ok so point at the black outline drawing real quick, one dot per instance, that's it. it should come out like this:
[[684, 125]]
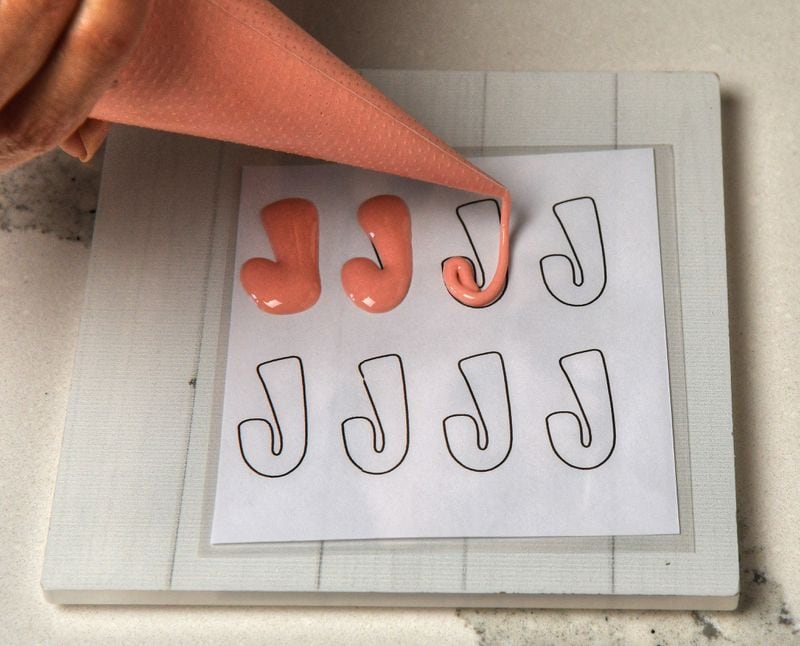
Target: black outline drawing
[[584, 427], [575, 262], [378, 434], [482, 434], [275, 432], [482, 281]]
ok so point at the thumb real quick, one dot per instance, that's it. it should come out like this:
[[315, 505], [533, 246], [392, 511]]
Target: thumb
[[86, 140]]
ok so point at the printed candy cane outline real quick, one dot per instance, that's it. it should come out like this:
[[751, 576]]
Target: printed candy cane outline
[[477, 266], [575, 266], [362, 448], [285, 452], [486, 440], [595, 446]]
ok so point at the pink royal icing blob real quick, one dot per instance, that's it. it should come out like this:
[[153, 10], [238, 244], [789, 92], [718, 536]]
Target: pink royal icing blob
[[290, 283], [459, 275], [378, 288]]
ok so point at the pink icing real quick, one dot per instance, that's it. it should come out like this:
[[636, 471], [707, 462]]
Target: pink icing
[[373, 288], [290, 283], [459, 277]]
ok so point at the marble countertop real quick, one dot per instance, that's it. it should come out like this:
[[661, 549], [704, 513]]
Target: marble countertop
[[46, 218]]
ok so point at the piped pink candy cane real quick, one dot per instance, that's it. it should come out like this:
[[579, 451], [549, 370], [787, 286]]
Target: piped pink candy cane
[[290, 283], [459, 275], [381, 287]]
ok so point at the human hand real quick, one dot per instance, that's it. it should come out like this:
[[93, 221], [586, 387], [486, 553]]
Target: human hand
[[57, 57]]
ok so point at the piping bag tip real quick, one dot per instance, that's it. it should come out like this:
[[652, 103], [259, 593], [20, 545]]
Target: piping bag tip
[[242, 71]]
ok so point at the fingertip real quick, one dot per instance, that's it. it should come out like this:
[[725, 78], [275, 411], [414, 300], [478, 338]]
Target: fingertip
[[86, 140]]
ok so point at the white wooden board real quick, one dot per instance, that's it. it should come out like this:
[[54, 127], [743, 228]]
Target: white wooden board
[[133, 502]]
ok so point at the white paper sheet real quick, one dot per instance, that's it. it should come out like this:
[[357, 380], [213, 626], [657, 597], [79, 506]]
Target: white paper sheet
[[545, 414]]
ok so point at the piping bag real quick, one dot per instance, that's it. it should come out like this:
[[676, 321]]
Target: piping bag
[[241, 71]]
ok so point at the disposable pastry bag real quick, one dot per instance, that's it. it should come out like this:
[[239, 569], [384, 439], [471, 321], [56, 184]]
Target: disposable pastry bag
[[241, 71]]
